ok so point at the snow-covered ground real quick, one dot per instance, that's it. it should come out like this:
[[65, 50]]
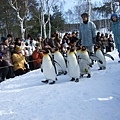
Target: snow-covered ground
[[95, 98]]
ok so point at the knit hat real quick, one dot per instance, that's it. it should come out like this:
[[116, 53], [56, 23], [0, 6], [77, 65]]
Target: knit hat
[[3, 39], [17, 48], [0, 55], [84, 15], [114, 15]]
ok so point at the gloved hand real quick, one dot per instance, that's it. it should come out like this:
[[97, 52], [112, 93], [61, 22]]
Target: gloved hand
[[94, 40], [41, 70]]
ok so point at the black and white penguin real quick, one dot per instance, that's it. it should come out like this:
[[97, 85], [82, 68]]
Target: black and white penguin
[[100, 55], [59, 62], [48, 68], [85, 63], [73, 66], [78, 51]]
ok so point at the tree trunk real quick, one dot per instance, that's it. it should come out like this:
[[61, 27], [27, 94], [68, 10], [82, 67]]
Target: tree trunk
[[89, 8], [49, 29], [111, 5], [21, 19], [22, 29]]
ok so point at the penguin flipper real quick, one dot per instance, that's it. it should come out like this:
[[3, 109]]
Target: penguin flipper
[[108, 55], [86, 62], [55, 62], [95, 58]]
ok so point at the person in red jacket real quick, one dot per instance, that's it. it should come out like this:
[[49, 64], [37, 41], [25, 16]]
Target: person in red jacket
[[37, 57]]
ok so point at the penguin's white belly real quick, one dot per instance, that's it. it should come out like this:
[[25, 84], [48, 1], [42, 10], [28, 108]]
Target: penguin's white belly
[[60, 60], [48, 68], [84, 67], [100, 55], [84, 63], [85, 56], [73, 67]]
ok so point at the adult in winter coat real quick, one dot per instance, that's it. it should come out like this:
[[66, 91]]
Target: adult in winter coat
[[3, 68], [30, 45], [87, 33], [98, 40], [19, 62], [116, 31], [6, 50]]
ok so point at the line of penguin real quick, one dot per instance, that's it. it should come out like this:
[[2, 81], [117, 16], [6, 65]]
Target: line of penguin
[[76, 63]]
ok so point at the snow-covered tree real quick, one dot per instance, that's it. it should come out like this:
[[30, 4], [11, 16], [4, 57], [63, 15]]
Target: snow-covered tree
[[14, 5]]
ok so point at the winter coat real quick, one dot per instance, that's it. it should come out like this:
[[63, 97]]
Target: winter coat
[[6, 52], [53, 43], [18, 61], [87, 33], [116, 31], [37, 57], [3, 70], [30, 47], [3, 64]]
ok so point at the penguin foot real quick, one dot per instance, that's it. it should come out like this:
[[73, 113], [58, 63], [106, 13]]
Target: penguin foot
[[89, 76], [46, 81], [100, 68], [60, 73], [73, 79], [65, 72], [81, 75], [53, 82], [77, 80]]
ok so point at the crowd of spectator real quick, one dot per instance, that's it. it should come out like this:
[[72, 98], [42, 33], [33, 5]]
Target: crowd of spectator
[[18, 56]]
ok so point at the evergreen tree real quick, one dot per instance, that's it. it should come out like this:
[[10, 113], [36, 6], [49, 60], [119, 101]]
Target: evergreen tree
[[57, 20], [106, 8]]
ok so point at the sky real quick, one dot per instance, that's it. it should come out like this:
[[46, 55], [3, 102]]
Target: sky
[[69, 4], [97, 98]]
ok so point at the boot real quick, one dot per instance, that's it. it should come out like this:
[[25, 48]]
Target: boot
[[119, 57]]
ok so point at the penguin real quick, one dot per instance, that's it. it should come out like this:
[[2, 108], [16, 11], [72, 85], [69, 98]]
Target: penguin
[[73, 66], [59, 62], [48, 68], [66, 55], [78, 51], [108, 55], [85, 63], [100, 55]]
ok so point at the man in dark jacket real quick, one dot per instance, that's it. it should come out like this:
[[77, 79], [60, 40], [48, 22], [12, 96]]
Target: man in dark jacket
[[5, 49], [3, 68], [87, 33]]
